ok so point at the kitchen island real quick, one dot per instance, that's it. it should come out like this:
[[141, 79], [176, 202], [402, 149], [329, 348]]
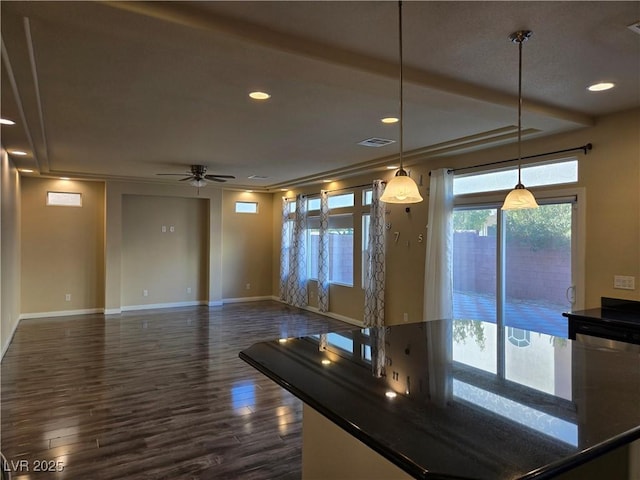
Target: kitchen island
[[427, 400]]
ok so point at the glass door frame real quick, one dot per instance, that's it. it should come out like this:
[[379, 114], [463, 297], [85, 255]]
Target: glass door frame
[[577, 197]]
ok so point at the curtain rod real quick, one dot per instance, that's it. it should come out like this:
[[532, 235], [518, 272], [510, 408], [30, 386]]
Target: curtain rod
[[584, 148], [338, 190], [349, 188]]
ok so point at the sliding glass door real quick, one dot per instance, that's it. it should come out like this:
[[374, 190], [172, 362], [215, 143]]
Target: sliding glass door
[[513, 279]]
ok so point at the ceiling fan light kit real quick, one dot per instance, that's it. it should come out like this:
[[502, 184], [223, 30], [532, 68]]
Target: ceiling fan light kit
[[197, 176]]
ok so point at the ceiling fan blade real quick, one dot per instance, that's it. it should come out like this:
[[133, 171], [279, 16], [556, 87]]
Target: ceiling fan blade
[[172, 174], [216, 177], [186, 178]]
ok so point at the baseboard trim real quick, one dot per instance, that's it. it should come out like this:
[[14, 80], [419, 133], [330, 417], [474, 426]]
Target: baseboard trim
[[335, 316], [9, 339], [151, 306], [247, 299], [61, 313], [112, 311]]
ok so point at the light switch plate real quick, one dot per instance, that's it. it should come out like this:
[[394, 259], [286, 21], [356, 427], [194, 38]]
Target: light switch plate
[[624, 282]]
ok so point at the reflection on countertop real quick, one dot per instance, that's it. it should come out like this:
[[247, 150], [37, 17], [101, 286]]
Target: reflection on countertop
[[470, 401]]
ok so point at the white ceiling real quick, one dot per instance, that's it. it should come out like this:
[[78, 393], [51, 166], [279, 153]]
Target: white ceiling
[[125, 90]]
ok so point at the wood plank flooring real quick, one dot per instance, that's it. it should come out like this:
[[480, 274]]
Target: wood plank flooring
[[157, 394]]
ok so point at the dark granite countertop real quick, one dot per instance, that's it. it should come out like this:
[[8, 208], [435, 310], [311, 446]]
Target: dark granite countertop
[[467, 405]]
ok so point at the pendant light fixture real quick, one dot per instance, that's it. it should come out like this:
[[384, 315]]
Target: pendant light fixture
[[519, 198], [401, 188]]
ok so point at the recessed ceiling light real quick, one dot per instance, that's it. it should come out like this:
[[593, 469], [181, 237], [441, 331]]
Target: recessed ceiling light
[[259, 95], [19, 153], [6, 121], [389, 120], [26, 170], [390, 394], [65, 178], [599, 87], [392, 167]]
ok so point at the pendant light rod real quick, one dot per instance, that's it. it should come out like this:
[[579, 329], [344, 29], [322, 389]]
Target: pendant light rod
[[520, 40], [520, 37], [401, 82]]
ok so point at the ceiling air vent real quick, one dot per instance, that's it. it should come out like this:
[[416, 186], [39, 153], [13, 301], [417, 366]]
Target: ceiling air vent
[[634, 27], [376, 142], [257, 177]]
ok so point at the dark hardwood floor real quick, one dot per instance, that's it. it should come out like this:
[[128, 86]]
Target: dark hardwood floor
[[157, 394]]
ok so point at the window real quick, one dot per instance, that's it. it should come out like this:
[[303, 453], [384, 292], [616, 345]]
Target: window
[[313, 246], [341, 249], [64, 199], [366, 221], [246, 207], [555, 173], [313, 204], [367, 197], [342, 200]]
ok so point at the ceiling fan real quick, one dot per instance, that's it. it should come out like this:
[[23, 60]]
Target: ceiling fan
[[198, 177]]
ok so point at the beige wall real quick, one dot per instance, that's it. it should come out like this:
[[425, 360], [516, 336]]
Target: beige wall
[[247, 243], [609, 175], [114, 252], [62, 248], [164, 250], [9, 249]]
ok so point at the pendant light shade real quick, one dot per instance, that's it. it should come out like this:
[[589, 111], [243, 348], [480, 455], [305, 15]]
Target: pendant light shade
[[401, 188], [519, 198]]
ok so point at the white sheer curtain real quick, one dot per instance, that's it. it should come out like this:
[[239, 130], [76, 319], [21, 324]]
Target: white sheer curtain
[[438, 277], [296, 282], [374, 281], [323, 254], [438, 284]]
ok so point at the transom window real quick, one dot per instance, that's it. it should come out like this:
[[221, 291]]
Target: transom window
[[552, 173]]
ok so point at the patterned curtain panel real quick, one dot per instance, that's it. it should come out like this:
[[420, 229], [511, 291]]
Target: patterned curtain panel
[[438, 278], [378, 351], [323, 342], [285, 244], [374, 282], [323, 254], [296, 291]]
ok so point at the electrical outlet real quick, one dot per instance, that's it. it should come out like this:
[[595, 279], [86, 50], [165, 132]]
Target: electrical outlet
[[405, 317], [67, 297], [145, 293], [248, 286], [624, 282], [188, 289], [164, 229]]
